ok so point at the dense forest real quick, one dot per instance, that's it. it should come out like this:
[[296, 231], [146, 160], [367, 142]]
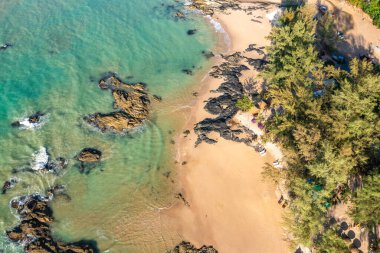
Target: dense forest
[[326, 120]]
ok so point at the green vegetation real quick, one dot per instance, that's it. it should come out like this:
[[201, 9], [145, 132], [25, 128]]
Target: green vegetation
[[244, 104], [327, 122], [366, 208], [371, 7]]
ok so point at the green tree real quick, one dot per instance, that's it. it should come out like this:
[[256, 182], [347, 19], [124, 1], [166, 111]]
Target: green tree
[[330, 242], [366, 205], [332, 168], [244, 103]]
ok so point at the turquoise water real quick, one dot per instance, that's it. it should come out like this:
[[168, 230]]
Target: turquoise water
[[60, 50]]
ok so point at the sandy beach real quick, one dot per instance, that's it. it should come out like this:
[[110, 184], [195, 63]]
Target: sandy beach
[[230, 207]]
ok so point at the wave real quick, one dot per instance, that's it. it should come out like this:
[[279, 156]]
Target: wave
[[40, 159], [219, 29]]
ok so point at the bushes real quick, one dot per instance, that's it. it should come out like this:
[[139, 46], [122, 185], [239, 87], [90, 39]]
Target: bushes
[[244, 104]]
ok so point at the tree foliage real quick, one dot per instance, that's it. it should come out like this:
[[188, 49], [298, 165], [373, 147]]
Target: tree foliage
[[366, 206], [327, 123], [244, 104]]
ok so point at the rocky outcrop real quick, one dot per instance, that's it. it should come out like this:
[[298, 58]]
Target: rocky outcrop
[[223, 106], [33, 119], [5, 46], [131, 101], [34, 231], [89, 155], [209, 7], [9, 184], [186, 247]]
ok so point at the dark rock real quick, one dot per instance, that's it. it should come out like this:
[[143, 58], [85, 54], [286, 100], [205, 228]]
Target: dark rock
[[186, 132], [187, 71], [33, 119], [208, 54], [182, 198], [5, 46], [191, 31], [34, 231], [258, 64], [9, 184], [89, 155], [180, 14], [186, 247], [252, 47], [224, 106], [157, 98]]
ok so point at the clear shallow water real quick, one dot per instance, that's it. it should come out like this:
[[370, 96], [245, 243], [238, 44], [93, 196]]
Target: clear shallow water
[[61, 49]]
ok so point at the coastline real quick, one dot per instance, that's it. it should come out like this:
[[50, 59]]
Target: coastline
[[229, 205]]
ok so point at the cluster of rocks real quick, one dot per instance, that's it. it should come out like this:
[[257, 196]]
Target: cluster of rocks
[[34, 231], [186, 247], [35, 118], [208, 8], [131, 102], [52, 166], [224, 106]]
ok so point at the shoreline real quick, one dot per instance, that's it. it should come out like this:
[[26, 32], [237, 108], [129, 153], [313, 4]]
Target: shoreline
[[214, 180]]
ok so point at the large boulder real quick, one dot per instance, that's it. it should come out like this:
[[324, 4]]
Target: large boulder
[[186, 247], [89, 155]]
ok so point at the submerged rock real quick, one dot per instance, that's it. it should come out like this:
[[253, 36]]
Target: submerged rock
[[9, 184], [191, 31], [186, 247], [34, 231], [131, 100], [208, 54], [89, 155]]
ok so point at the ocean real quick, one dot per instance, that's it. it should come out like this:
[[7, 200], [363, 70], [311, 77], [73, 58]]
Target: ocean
[[60, 49]]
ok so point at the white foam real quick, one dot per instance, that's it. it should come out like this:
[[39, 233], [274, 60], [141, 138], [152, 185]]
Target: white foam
[[40, 159], [26, 124], [219, 29]]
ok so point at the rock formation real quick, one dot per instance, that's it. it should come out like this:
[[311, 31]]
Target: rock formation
[[224, 105], [32, 119], [186, 247], [34, 231], [89, 155], [131, 101]]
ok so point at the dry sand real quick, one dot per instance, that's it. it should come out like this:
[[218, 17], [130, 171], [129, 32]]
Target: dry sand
[[361, 36], [231, 207]]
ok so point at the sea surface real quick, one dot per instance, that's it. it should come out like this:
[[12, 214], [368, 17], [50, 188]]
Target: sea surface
[[60, 51]]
